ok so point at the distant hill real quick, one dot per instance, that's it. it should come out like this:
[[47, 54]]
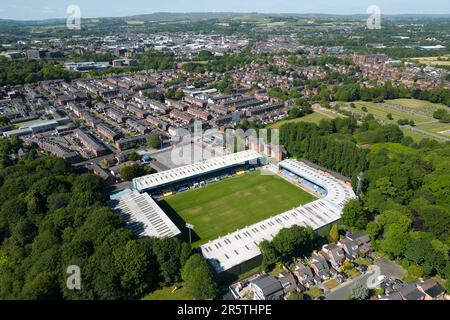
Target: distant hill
[[199, 16]]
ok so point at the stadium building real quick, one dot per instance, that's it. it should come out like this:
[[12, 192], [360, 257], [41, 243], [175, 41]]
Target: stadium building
[[198, 173], [143, 215], [239, 251], [236, 252]]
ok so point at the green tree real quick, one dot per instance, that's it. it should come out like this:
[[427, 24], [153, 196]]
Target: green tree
[[43, 287], [415, 271], [269, 253], [354, 215], [137, 267], [293, 241], [128, 173], [333, 236], [171, 254], [395, 240], [359, 292], [199, 278], [154, 141], [133, 156]]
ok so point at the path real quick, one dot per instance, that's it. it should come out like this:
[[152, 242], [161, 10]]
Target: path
[[434, 135]]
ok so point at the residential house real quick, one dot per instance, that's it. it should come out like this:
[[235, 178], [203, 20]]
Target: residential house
[[411, 292], [267, 288], [362, 240], [304, 275], [432, 289], [392, 296], [320, 266], [334, 254], [350, 247], [288, 282]]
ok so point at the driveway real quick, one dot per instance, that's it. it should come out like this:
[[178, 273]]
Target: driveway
[[344, 290], [390, 269]]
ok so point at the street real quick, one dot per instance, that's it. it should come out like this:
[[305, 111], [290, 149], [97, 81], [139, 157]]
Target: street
[[388, 268]]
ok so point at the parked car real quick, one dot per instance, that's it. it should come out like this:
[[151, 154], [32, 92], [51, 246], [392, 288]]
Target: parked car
[[362, 268], [398, 282], [343, 275]]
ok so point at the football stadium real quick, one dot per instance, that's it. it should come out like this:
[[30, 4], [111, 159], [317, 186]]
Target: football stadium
[[233, 202]]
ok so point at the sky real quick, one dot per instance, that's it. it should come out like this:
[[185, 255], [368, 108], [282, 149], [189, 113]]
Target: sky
[[46, 9]]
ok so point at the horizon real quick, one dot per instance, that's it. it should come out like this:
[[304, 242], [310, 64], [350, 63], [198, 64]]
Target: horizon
[[27, 10], [230, 12]]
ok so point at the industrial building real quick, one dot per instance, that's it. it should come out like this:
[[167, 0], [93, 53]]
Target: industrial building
[[37, 127]]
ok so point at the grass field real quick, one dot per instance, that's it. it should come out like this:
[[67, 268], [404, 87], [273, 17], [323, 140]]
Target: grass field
[[232, 204], [167, 294], [313, 117], [381, 110], [421, 112], [433, 61]]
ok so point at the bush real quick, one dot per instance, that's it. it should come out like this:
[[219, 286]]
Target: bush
[[442, 115], [415, 271], [404, 122]]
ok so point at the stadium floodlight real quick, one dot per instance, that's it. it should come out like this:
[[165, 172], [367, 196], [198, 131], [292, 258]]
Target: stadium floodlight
[[190, 227]]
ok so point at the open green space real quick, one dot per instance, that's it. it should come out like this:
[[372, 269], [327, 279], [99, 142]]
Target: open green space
[[313, 118], [232, 204], [421, 112], [381, 110], [433, 61], [167, 293]]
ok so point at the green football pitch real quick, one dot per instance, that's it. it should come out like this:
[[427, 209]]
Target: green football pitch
[[232, 204]]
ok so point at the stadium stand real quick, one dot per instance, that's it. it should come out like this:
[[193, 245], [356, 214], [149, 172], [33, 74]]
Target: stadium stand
[[169, 177], [142, 215], [231, 251]]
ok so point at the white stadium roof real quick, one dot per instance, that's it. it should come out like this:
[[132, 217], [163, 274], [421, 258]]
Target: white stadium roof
[[143, 215], [159, 179], [242, 245]]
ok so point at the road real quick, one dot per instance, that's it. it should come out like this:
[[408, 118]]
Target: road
[[434, 135], [343, 291], [388, 268]]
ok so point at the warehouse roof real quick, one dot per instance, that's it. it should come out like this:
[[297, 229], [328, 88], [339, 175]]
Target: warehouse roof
[[143, 215], [159, 179]]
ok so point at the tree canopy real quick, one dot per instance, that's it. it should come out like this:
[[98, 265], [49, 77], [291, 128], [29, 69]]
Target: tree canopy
[[52, 218]]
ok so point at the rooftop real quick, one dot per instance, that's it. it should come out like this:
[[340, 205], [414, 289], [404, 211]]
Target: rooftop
[[159, 179], [242, 245], [142, 215]]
